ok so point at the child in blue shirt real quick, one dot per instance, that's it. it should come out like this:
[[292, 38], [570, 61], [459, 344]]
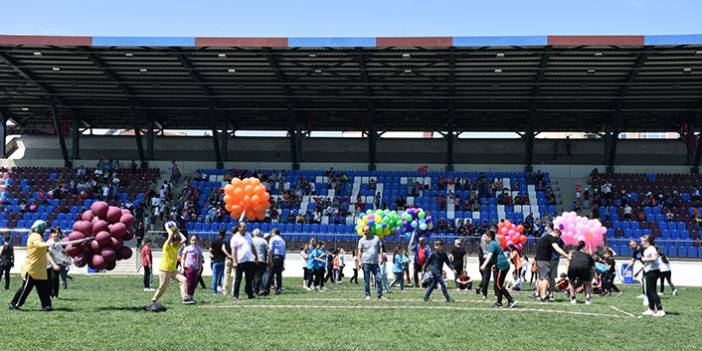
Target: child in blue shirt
[[399, 261]]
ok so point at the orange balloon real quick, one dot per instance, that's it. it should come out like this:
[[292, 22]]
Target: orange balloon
[[249, 190], [237, 210], [259, 189], [236, 182], [260, 216], [246, 181], [256, 200], [227, 199], [228, 207], [229, 189], [258, 208], [266, 196], [255, 181], [250, 216], [246, 201], [238, 193], [266, 205]]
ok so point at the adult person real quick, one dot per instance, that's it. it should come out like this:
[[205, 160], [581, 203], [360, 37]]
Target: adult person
[[421, 253], [651, 262], [56, 258], [496, 257], [553, 269], [167, 269], [435, 264], [457, 255], [7, 258], [581, 269], [277, 257], [262, 260], [547, 245], [485, 273], [370, 250], [217, 257], [147, 263], [228, 268], [34, 268], [243, 261]]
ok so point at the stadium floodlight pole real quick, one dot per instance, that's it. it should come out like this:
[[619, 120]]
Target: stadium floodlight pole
[[529, 142], [59, 133], [698, 150], [611, 138], [450, 136]]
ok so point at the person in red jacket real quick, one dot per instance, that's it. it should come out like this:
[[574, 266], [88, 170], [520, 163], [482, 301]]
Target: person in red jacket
[[146, 262]]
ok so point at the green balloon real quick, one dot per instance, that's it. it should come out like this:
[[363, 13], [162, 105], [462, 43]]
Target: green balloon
[[421, 214], [369, 212]]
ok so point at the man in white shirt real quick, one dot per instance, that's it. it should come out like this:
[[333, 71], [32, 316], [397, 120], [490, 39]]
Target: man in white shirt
[[244, 259]]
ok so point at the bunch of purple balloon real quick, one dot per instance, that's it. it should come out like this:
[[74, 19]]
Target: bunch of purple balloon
[[418, 221]]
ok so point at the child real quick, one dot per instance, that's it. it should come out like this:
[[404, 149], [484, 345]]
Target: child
[[336, 266], [342, 264], [562, 284], [356, 265], [306, 273], [515, 284], [319, 262], [434, 264], [609, 274], [399, 259], [192, 265], [465, 284], [384, 272], [146, 259], [664, 265]]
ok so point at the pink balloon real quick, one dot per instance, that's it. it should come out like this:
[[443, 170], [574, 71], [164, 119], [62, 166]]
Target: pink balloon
[[99, 226], [97, 262], [127, 219], [128, 235], [118, 230], [124, 253], [87, 215], [110, 265], [80, 261], [109, 255], [104, 239], [84, 227], [125, 211], [99, 209], [74, 251], [511, 232], [95, 247], [76, 236], [116, 243], [113, 214]]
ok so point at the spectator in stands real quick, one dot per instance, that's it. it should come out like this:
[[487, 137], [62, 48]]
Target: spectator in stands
[[461, 228], [80, 172], [669, 216], [442, 226], [628, 212], [175, 172]]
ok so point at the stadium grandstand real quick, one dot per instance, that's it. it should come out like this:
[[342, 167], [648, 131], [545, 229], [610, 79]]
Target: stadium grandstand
[[56, 92]]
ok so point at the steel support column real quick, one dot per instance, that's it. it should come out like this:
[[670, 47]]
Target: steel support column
[[75, 136], [611, 138], [59, 134], [217, 152], [529, 142], [698, 154], [150, 137], [450, 136], [224, 144], [137, 136], [3, 134], [372, 141], [294, 143], [690, 140]]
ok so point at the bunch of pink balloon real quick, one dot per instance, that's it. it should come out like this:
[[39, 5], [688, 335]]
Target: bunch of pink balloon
[[109, 227], [510, 234], [575, 228]]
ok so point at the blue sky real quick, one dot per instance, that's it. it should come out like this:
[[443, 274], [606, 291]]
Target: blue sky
[[349, 18]]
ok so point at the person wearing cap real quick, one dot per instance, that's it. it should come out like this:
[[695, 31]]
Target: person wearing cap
[[167, 269], [34, 268]]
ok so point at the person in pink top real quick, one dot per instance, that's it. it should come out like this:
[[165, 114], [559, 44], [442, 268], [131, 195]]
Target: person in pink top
[[192, 265], [146, 262]]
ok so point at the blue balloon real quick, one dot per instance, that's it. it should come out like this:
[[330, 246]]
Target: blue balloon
[[423, 226], [414, 224]]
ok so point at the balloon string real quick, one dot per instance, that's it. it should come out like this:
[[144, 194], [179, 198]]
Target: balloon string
[[243, 213]]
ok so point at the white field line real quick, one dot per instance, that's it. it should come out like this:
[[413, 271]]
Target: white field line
[[443, 308], [622, 311], [439, 297]]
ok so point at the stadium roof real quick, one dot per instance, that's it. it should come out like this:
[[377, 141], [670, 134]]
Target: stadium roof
[[574, 83]]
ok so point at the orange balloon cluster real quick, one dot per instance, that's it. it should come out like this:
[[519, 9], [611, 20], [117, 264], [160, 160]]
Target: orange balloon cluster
[[247, 196]]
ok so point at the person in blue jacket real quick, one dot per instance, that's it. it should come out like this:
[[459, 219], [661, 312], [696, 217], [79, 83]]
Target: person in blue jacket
[[311, 251], [435, 264], [319, 263]]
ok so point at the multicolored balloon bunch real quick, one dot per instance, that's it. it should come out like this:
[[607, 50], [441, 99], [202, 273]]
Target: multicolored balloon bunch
[[510, 234], [575, 228], [109, 227], [417, 220], [248, 197], [381, 223]]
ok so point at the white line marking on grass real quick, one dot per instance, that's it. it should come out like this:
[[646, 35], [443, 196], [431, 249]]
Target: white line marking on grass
[[444, 308], [520, 302], [622, 311]]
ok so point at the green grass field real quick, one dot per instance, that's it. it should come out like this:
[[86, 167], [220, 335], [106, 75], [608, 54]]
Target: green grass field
[[105, 313]]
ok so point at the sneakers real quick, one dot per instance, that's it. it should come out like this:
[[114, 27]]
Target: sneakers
[[497, 305], [573, 301], [308, 288], [642, 296], [619, 294], [675, 292], [367, 298], [645, 302], [588, 302], [12, 307], [450, 299], [661, 294], [660, 313], [484, 297], [149, 290], [512, 303], [188, 302], [477, 291], [425, 299], [382, 298], [47, 309], [649, 313]]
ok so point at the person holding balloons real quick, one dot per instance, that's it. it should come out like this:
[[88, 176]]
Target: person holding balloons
[[34, 272], [496, 256]]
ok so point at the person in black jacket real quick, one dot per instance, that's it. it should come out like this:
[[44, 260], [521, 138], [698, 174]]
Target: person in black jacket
[[7, 259], [434, 264]]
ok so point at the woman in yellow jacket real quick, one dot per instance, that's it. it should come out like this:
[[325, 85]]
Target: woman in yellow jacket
[[34, 268]]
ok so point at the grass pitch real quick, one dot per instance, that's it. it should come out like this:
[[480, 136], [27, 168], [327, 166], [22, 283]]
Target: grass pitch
[[106, 313]]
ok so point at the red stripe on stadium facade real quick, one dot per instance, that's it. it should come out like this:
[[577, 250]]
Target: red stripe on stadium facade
[[45, 40]]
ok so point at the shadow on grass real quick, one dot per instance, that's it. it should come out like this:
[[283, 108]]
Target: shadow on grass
[[120, 308]]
